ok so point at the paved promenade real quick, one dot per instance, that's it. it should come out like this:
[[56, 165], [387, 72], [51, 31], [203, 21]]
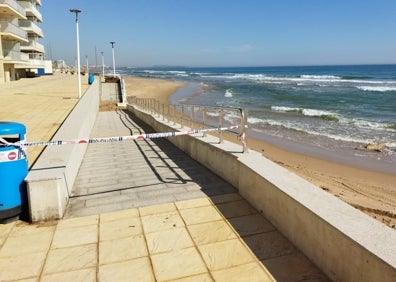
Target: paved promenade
[[144, 211], [41, 104]]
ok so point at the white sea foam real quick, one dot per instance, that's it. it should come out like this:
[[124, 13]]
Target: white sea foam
[[284, 109], [166, 72], [377, 88], [254, 120], [372, 125], [288, 79], [320, 77], [305, 112], [295, 126], [317, 113], [228, 93]]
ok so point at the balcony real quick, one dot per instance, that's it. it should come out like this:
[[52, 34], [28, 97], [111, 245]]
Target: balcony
[[14, 56], [9, 31], [31, 10], [32, 45], [11, 8], [31, 64], [31, 28]]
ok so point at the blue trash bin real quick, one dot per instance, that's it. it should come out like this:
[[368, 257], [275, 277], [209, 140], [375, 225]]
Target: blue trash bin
[[13, 170], [91, 79]]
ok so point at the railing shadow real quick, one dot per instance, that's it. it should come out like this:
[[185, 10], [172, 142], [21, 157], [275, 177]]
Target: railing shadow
[[278, 255]]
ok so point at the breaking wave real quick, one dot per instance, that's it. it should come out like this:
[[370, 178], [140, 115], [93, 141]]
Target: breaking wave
[[377, 88], [326, 115], [228, 93]]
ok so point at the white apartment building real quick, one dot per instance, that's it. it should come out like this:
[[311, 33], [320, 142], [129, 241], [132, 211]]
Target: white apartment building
[[21, 55]]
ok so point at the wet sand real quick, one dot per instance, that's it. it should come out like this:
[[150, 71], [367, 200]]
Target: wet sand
[[370, 191]]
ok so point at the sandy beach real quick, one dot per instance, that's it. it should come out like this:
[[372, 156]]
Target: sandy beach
[[372, 192]]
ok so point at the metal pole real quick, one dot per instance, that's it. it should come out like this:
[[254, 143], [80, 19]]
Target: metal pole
[[102, 63], [96, 58], [76, 11], [112, 47], [86, 57]]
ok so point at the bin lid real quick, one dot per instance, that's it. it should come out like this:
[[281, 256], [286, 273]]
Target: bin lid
[[10, 127]]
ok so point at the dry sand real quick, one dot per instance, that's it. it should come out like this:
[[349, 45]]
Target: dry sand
[[151, 88], [372, 192]]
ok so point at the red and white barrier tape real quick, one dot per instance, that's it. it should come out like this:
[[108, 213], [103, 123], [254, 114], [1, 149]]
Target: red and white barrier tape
[[118, 138]]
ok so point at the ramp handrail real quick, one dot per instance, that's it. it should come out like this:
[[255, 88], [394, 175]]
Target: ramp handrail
[[193, 116]]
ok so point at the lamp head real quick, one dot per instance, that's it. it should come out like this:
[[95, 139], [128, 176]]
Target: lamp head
[[75, 11]]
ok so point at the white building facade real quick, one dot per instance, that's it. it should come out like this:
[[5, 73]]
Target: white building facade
[[21, 54]]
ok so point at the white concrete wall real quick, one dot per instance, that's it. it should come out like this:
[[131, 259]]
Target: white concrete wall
[[343, 242], [50, 180]]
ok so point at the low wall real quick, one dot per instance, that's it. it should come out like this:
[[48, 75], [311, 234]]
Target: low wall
[[52, 177], [343, 242]]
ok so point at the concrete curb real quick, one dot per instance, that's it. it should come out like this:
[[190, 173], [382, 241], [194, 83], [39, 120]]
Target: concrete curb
[[50, 180]]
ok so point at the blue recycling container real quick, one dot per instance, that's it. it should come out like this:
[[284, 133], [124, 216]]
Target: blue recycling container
[[13, 170], [91, 79]]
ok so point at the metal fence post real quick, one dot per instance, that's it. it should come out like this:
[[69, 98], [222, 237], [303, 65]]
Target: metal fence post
[[204, 120], [221, 124]]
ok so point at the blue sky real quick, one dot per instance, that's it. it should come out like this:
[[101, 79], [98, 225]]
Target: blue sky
[[222, 32]]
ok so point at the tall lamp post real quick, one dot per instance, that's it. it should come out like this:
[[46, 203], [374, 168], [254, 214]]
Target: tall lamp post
[[112, 47], [76, 11], [102, 63], [86, 57]]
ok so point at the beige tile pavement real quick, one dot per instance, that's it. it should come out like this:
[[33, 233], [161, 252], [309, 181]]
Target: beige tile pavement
[[155, 243], [41, 104]]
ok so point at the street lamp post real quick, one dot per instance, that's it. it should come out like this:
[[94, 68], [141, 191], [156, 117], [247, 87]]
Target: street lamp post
[[102, 63], [76, 11], [112, 47], [86, 57]]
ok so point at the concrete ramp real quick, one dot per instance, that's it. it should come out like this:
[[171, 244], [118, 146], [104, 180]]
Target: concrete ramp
[[113, 90], [110, 92], [120, 175]]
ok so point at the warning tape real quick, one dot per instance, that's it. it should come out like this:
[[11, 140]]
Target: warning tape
[[118, 138]]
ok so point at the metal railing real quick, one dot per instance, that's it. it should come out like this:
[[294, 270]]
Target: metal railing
[[201, 116]]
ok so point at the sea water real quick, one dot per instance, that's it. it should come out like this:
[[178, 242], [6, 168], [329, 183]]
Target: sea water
[[336, 109]]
